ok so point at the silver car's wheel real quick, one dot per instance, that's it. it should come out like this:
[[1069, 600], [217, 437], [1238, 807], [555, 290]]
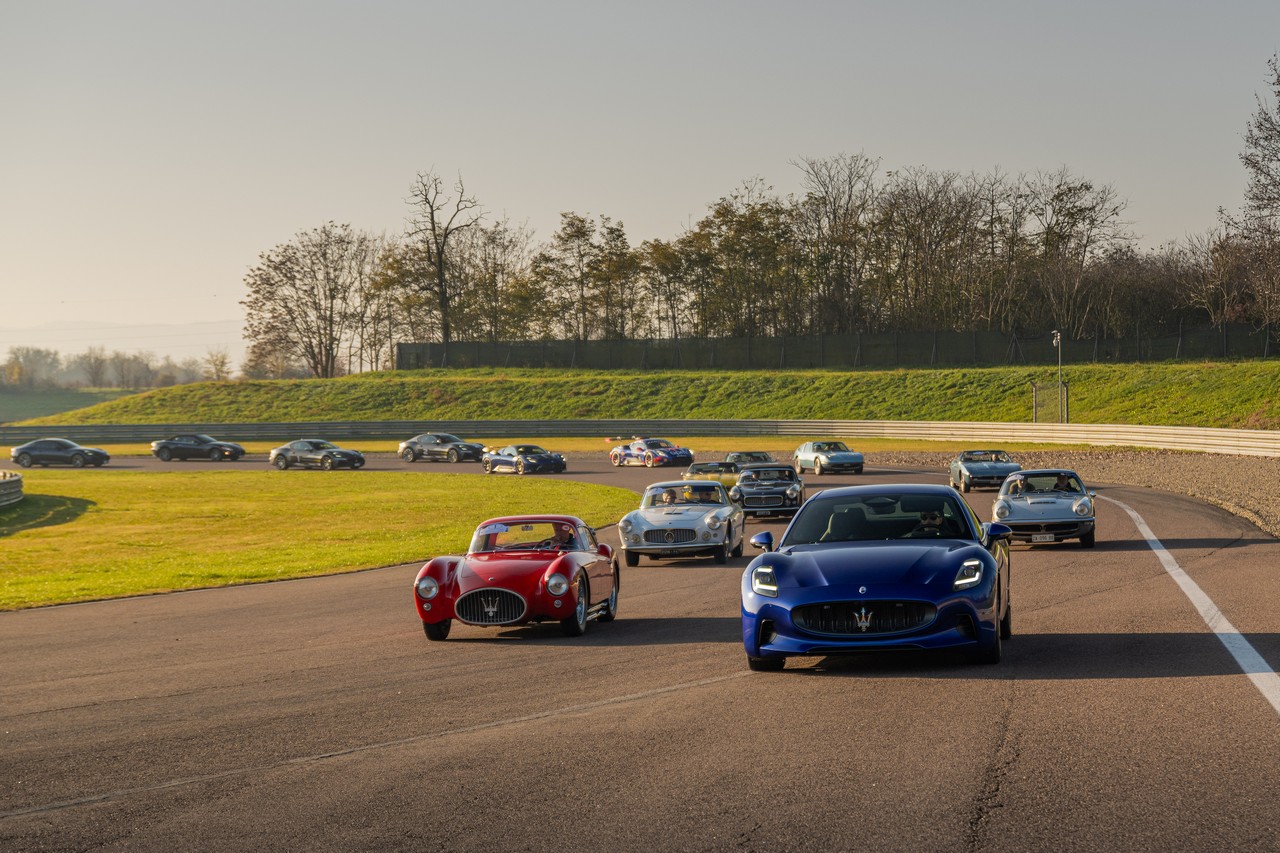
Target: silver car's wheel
[[282, 462], [408, 455], [817, 468], [453, 454], [799, 468]]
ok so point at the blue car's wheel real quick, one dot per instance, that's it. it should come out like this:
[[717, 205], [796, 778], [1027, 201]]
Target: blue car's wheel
[[766, 664]]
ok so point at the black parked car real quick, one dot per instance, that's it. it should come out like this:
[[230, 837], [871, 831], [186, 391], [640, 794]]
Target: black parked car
[[58, 451], [768, 489], [439, 447], [195, 446], [317, 453]]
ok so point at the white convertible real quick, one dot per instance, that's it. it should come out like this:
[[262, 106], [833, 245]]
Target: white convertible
[[1046, 505], [683, 519]]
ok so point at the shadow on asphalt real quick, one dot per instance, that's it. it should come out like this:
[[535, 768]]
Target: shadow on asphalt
[[625, 632], [1057, 657], [1170, 544], [41, 511]]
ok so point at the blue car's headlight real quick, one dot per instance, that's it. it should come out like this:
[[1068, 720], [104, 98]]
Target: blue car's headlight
[[713, 523], [764, 582], [970, 574], [1002, 509]]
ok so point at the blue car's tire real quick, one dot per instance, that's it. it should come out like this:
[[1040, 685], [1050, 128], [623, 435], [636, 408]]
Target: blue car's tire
[[766, 664]]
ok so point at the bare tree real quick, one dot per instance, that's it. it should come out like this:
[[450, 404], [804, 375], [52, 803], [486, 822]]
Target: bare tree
[[302, 295], [32, 366], [438, 216], [217, 365]]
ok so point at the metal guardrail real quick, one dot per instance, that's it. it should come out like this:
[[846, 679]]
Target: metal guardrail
[[1241, 442], [10, 487]]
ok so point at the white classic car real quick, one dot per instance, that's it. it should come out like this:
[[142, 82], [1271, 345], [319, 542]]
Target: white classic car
[[1046, 505], [683, 518], [826, 457], [974, 468]]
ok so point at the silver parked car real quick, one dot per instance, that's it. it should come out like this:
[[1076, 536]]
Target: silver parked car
[[826, 457], [974, 469]]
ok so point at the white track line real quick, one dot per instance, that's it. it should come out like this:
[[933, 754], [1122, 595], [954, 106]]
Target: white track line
[[1252, 663]]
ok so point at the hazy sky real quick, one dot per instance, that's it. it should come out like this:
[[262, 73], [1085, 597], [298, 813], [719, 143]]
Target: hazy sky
[[151, 150]]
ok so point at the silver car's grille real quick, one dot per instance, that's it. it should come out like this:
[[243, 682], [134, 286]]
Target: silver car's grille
[[670, 536], [863, 618], [489, 607], [762, 500]]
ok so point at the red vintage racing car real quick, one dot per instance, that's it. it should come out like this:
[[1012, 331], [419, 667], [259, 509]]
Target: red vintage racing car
[[521, 569]]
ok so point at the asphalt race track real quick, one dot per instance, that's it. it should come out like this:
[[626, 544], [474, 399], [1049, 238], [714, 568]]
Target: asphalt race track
[[315, 715]]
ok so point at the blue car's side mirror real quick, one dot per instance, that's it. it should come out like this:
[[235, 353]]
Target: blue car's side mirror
[[763, 541], [997, 531]]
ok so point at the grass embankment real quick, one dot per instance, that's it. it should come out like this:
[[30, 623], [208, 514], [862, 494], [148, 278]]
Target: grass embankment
[[1238, 394], [82, 535]]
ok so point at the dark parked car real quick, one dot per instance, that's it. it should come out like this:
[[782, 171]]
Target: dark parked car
[[195, 446], [315, 453], [58, 451], [523, 459], [439, 447]]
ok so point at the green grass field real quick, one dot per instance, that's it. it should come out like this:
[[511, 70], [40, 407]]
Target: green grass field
[[87, 535], [1237, 395]]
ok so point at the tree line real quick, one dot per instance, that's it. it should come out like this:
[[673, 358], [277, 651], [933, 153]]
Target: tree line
[[39, 368], [858, 249]]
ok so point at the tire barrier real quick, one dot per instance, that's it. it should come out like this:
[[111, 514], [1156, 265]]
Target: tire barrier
[[10, 487]]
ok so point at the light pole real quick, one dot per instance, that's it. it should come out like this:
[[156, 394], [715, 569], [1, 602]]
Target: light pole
[[1057, 344]]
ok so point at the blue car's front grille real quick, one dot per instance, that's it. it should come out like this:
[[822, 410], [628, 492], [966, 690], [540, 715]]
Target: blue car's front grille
[[863, 618]]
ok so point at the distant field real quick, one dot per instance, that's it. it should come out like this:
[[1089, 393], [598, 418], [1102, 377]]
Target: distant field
[[1212, 394], [21, 405]]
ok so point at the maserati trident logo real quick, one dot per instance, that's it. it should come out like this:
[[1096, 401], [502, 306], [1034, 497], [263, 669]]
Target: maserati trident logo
[[491, 606], [670, 536], [863, 619]]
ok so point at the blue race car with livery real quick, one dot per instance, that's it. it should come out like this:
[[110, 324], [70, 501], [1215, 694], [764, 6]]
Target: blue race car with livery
[[651, 453]]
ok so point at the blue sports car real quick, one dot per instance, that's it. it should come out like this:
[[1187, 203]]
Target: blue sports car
[[650, 452], [875, 568], [523, 459]]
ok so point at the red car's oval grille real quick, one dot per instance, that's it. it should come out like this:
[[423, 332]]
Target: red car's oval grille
[[490, 607], [863, 618]]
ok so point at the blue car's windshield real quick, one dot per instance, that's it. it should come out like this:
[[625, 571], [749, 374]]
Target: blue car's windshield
[[870, 517]]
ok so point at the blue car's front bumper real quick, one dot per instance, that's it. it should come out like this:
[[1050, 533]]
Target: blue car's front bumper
[[963, 619]]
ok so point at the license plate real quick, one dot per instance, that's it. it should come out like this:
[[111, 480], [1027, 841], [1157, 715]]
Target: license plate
[[1041, 537]]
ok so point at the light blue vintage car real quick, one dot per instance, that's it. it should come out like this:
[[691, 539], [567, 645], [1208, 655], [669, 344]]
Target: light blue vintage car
[[974, 469], [826, 457]]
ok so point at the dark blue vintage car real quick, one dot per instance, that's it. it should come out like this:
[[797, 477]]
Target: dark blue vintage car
[[875, 568], [522, 459]]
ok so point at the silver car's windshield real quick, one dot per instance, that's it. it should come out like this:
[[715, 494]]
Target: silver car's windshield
[[1054, 482], [865, 518], [692, 493]]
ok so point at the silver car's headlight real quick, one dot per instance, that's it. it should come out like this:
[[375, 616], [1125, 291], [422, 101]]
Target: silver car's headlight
[[427, 588], [970, 574], [1083, 507], [557, 584], [625, 525], [735, 494], [1001, 509], [714, 522], [764, 582]]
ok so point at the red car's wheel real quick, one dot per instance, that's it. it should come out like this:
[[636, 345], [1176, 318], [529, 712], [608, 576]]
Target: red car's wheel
[[437, 630], [576, 625], [611, 609]]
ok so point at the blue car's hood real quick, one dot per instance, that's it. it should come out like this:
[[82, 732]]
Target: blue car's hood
[[841, 455], [918, 562]]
